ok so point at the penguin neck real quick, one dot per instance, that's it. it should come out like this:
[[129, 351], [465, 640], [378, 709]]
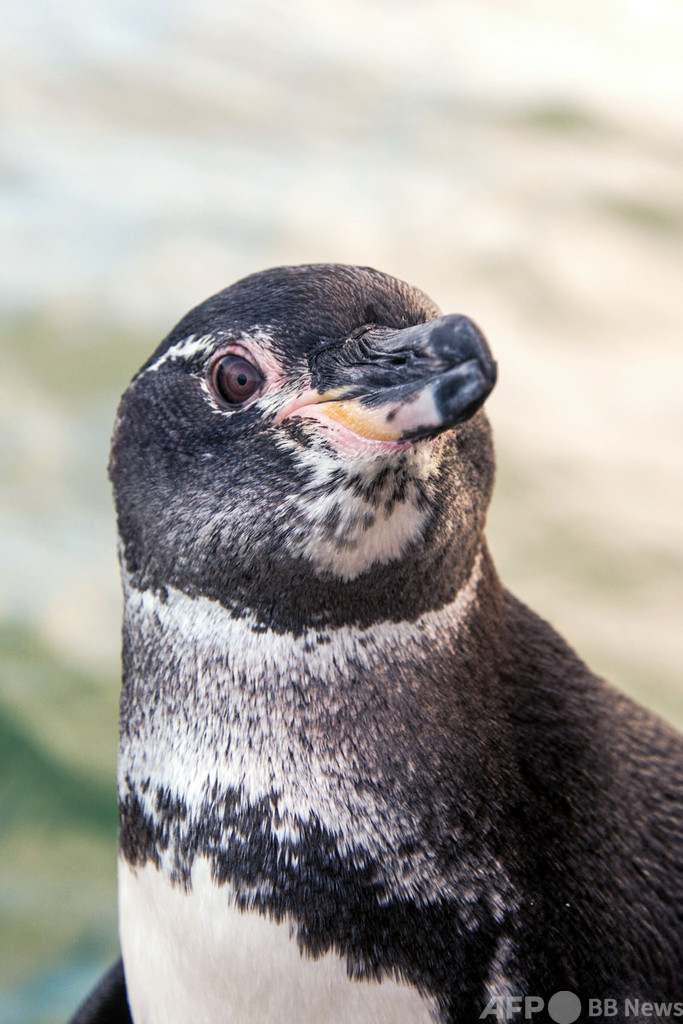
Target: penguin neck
[[217, 710], [291, 595], [172, 637]]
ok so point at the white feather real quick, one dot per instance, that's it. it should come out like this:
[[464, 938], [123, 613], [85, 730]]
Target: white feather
[[192, 958]]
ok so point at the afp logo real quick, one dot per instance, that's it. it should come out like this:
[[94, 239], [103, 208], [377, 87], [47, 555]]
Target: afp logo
[[563, 1007]]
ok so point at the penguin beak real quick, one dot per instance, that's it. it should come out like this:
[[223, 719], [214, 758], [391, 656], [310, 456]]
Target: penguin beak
[[400, 385]]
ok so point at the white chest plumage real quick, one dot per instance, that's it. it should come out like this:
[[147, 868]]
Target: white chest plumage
[[192, 958]]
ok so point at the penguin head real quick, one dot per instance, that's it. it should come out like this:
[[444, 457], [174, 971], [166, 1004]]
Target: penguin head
[[308, 445]]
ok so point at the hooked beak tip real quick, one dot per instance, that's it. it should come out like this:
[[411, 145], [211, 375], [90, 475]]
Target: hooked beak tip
[[372, 394]]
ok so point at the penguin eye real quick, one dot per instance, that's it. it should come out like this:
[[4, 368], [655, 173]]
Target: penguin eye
[[235, 380]]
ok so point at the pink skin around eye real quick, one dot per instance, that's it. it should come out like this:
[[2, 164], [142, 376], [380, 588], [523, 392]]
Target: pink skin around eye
[[308, 406]]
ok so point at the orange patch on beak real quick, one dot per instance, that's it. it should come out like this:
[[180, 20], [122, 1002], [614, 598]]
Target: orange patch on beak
[[366, 422]]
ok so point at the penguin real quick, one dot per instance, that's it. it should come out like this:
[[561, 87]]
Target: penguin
[[358, 780]]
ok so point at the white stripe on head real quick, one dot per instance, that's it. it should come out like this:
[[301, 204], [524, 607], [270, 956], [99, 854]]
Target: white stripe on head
[[194, 345], [188, 348]]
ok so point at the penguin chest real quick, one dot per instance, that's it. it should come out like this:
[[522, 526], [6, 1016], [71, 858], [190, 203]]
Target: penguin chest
[[192, 955]]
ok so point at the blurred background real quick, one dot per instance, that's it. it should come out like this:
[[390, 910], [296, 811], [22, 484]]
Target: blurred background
[[521, 162]]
